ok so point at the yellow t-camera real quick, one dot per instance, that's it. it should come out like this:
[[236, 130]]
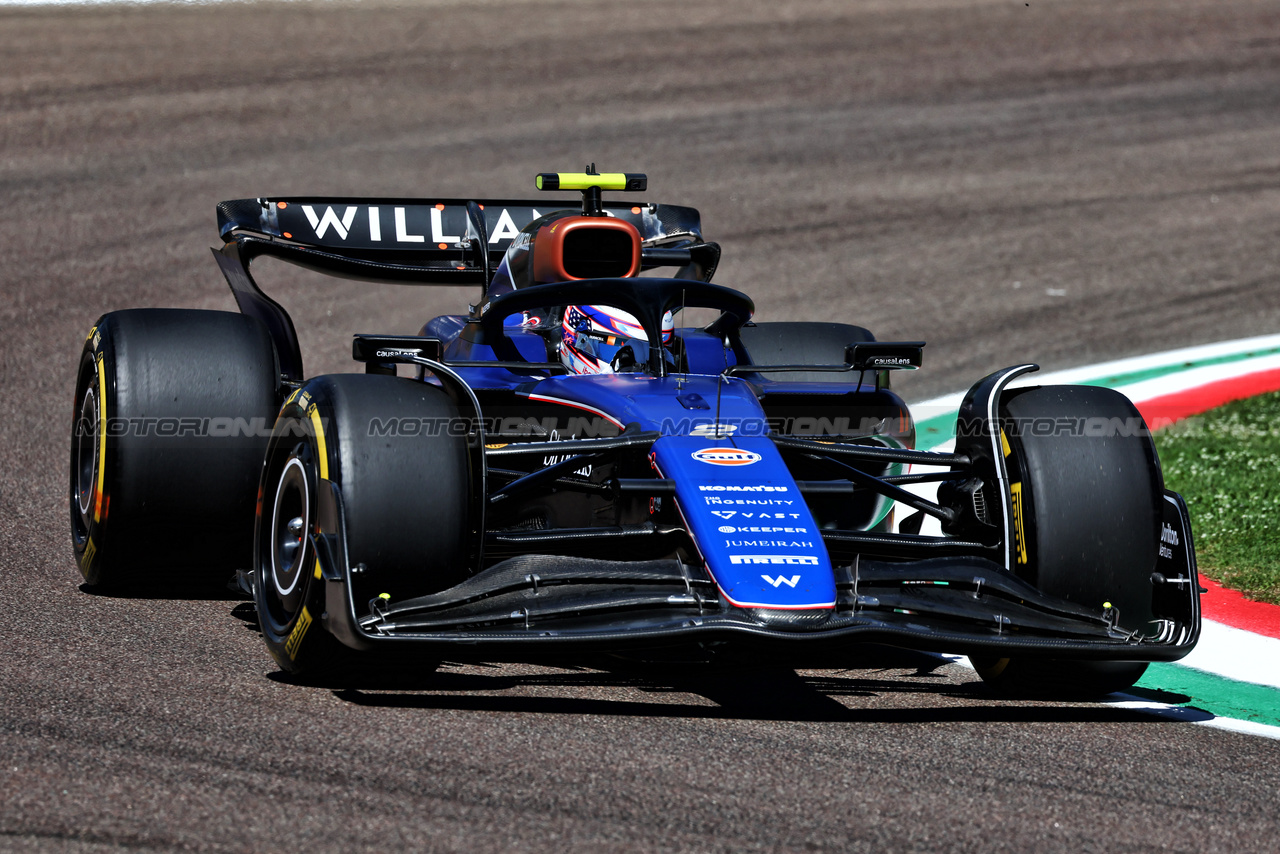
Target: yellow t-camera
[[629, 181]]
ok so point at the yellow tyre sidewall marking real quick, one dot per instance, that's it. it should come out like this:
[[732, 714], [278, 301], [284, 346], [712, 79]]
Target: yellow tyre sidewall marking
[[1019, 533], [102, 440], [294, 641], [1015, 499], [322, 452]]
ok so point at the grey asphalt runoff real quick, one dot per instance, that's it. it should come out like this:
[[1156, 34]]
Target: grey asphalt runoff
[[1060, 182]]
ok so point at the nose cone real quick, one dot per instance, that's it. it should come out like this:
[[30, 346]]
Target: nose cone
[[752, 527]]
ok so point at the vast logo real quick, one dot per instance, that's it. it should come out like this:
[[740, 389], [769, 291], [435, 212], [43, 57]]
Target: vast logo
[[782, 579], [726, 457]]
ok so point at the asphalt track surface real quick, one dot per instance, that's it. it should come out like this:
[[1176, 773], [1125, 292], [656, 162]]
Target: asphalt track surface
[[1061, 182]]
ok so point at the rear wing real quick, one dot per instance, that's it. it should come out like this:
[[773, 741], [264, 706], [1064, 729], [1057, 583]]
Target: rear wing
[[406, 242], [415, 241]]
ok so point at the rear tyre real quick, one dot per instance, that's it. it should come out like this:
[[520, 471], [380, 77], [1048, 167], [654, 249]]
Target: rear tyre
[[394, 448], [803, 343], [1087, 494], [172, 412]]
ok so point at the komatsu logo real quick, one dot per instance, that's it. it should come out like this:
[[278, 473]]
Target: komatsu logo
[[782, 579], [715, 487]]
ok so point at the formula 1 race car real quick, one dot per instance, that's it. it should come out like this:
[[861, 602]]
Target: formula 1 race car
[[565, 470]]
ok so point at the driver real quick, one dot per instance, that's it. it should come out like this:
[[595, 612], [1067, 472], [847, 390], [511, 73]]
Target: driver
[[603, 340]]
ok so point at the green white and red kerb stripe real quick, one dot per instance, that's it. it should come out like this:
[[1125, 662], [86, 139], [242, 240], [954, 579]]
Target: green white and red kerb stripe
[[1165, 386]]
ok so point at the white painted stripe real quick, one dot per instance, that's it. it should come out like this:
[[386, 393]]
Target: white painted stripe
[[576, 405], [1199, 717], [1236, 654], [1245, 727], [1182, 714]]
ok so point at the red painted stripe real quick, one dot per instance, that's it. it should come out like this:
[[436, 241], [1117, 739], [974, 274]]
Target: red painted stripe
[[1167, 408], [1230, 608], [574, 405], [1220, 604]]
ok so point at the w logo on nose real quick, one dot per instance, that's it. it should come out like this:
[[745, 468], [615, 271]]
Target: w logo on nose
[[782, 579]]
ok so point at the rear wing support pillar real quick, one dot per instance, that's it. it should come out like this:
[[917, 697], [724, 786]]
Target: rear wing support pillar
[[254, 303]]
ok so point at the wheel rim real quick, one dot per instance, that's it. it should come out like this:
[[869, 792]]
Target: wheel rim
[[87, 430], [290, 522]]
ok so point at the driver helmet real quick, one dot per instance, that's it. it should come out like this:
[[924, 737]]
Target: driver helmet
[[603, 340]]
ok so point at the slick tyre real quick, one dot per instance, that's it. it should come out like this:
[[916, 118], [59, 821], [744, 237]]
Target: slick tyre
[[803, 343], [393, 449], [172, 413], [1087, 493], [1056, 679]]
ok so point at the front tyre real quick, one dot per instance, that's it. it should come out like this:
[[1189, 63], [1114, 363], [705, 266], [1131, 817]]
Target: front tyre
[[1087, 497], [397, 451], [1056, 679]]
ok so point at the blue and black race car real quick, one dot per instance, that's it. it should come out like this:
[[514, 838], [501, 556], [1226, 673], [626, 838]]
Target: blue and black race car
[[571, 468]]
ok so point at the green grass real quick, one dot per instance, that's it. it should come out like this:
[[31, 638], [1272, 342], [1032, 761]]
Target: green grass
[[1226, 463]]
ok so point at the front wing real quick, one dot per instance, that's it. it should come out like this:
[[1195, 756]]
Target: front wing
[[532, 605]]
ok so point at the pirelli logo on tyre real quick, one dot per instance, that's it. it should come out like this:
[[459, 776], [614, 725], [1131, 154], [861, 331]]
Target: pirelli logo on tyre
[[1019, 532], [299, 632], [726, 457]]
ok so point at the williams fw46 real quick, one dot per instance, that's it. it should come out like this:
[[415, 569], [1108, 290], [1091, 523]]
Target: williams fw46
[[572, 466]]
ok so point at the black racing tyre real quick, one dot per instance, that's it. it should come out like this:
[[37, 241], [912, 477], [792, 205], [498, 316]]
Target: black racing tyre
[[173, 409], [396, 451], [1088, 495], [1055, 679], [803, 343]]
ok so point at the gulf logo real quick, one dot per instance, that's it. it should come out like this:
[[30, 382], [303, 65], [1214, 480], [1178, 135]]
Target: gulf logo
[[726, 457]]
